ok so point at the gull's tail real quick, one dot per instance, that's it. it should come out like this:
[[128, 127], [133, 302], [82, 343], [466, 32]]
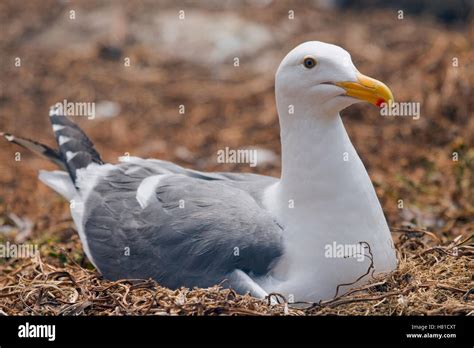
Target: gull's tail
[[75, 148], [76, 151]]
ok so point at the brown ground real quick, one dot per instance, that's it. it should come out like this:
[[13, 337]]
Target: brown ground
[[407, 159]]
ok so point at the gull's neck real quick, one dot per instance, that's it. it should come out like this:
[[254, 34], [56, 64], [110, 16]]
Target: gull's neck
[[317, 154], [312, 149], [322, 174]]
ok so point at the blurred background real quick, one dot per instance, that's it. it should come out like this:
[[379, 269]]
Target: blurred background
[[78, 50]]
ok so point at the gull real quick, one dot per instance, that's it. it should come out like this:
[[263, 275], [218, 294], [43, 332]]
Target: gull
[[316, 231]]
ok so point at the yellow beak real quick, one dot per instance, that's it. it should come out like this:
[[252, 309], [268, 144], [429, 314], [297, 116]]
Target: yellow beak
[[368, 89]]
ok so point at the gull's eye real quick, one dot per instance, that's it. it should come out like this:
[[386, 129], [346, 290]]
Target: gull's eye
[[309, 62]]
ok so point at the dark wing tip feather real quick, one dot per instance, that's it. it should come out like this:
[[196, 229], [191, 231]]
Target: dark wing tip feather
[[36, 147]]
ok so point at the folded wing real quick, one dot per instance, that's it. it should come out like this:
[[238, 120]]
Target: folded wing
[[186, 228]]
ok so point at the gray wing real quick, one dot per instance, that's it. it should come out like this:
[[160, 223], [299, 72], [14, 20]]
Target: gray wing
[[196, 229]]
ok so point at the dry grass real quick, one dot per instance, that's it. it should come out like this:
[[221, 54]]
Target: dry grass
[[431, 279]]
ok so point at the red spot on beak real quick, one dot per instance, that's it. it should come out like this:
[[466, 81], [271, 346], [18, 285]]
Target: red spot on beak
[[380, 102]]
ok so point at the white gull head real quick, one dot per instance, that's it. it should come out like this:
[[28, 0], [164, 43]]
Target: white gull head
[[320, 75], [325, 199]]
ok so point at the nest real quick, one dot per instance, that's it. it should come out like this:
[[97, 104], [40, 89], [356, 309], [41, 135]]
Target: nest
[[430, 280]]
